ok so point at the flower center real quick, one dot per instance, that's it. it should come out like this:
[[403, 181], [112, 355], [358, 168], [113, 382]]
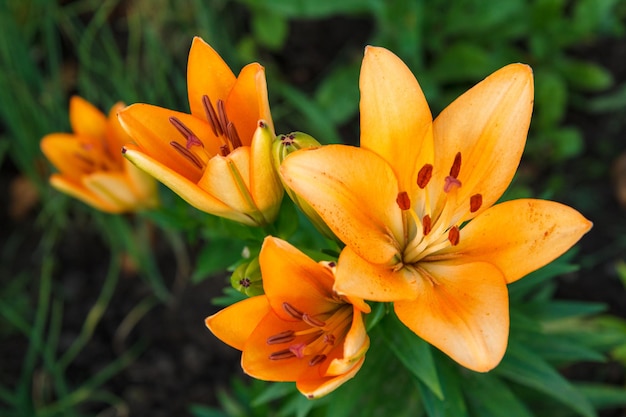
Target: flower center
[[319, 336], [431, 226], [222, 128], [92, 157]]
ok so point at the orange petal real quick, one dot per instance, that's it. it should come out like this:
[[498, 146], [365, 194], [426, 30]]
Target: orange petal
[[488, 126], [115, 134], [354, 347], [234, 324], [78, 191], [319, 387], [207, 74], [227, 178], [256, 352], [61, 150], [248, 103], [354, 191], [151, 130], [86, 119], [358, 278], [113, 188], [521, 236], [462, 310], [395, 117], [186, 189], [292, 277], [265, 185]]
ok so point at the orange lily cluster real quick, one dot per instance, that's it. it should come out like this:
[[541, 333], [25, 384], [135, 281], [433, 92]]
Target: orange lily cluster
[[415, 206], [90, 163]]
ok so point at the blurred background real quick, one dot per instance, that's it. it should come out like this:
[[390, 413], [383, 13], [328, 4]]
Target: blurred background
[[103, 315]]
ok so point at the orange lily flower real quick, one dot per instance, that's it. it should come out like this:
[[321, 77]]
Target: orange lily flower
[[300, 329], [401, 201], [218, 158], [90, 163]]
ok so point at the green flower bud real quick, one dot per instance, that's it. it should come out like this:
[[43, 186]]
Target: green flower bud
[[247, 278]]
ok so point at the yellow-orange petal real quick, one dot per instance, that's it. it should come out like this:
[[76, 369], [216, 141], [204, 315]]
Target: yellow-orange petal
[[265, 185], [248, 102], [86, 119], [144, 185], [463, 311], [319, 387], [395, 117], [354, 191], [234, 324], [187, 190], [520, 236], [488, 126], [357, 277], [78, 191], [151, 129], [207, 74], [113, 188], [292, 277]]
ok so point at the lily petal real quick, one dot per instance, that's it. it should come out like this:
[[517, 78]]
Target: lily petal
[[111, 187], [520, 236], [319, 387], [207, 74], [395, 117], [234, 324], [86, 119], [78, 191], [359, 278], [186, 189], [463, 311], [488, 126], [291, 276], [356, 344], [248, 103], [61, 150], [360, 209], [153, 132], [265, 185], [117, 137]]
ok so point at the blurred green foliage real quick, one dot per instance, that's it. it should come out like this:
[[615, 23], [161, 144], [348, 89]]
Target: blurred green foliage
[[136, 51]]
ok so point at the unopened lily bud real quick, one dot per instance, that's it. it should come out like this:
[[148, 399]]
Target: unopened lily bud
[[247, 278], [283, 146]]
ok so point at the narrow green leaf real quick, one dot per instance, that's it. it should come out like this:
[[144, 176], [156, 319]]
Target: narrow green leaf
[[489, 396], [526, 368], [414, 353], [452, 402]]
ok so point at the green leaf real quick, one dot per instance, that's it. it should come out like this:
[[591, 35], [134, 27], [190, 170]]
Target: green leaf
[[550, 98], [202, 411], [414, 353], [488, 396], [526, 368], [452, 402], [269, 29], [586, 76], [310, 9], [338, 94], [603, 396], [215, 257]]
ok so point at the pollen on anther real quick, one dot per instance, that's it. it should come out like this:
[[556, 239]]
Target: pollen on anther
[[454, 235], [424, 175], [475, 202], [456, 166], [403, 200]]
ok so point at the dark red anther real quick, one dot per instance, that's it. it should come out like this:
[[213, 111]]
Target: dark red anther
[[292, 311], [424, 175], [454, 235], [312, 321], [281, 354], [475, 202], [426, 225], [456, 166], [282, 337], [317, 359], [403, 200]]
